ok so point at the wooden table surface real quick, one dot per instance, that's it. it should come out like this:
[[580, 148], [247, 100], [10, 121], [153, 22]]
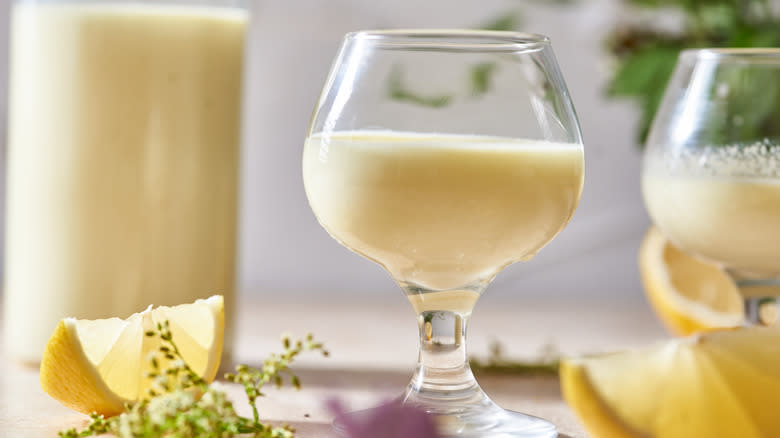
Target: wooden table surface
[[373, 348]]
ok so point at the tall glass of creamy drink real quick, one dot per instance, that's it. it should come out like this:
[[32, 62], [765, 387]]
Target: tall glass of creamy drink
[[711, 176], [123, 153]]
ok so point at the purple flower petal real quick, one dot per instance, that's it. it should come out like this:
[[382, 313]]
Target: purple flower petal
[[389, 420]]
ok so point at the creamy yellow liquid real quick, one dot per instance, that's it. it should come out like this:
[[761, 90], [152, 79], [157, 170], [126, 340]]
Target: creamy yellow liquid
[[122, 161], [733, 221], [458, 301], [441, 212]]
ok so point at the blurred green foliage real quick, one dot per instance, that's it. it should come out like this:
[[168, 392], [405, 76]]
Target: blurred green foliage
[[506, 21], [646, 55], [480, 75], [749, 112], [398, 90]]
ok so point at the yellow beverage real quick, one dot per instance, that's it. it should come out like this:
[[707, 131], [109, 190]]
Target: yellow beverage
[[441, 211], [122, 161], [733, 221], [721, 204]]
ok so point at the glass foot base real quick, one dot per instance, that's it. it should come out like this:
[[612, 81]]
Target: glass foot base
[[487, 422]]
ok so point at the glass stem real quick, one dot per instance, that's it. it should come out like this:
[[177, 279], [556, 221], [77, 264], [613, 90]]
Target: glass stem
[[443, 381], [762, 297], [761, 310]]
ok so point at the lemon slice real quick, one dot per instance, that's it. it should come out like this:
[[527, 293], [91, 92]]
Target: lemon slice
[[99, 365], [717, 384], [688, 295]]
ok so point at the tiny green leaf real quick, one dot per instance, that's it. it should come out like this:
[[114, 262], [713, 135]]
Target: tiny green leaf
[[481, 77]]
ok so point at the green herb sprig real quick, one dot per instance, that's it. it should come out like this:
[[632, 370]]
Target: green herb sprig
[[181, 404], [498, 364], [274, 369]]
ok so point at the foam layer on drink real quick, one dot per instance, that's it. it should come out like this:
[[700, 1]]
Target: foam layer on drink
[[720, 203]]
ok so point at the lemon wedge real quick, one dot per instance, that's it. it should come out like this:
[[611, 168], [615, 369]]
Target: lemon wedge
[[716, 384], [99, 365], [687, 294]]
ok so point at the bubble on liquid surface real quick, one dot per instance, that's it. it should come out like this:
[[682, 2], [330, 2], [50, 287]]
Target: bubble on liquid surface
[[722, 90]]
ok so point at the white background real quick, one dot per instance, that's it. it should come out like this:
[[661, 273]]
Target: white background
[[284, 252]]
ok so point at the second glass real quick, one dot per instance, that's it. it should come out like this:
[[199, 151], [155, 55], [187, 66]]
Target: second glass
[[446, 156], [711, 176]]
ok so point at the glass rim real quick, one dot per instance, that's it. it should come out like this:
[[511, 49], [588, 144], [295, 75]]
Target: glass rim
[[732, 53], [467, 40]]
